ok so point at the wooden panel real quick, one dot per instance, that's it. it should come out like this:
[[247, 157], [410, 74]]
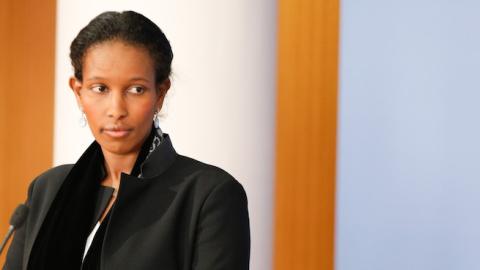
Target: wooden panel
[[306, 134], [27, 51], [3, 118]]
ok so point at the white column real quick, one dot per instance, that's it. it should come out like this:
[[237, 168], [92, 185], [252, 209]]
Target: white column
[[221, 108]]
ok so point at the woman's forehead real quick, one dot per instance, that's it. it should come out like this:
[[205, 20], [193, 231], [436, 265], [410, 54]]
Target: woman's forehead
[[115, 58]]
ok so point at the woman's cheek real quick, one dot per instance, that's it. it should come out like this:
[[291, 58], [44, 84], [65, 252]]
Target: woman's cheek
[[93, 112], [145, 113], [145, 109]]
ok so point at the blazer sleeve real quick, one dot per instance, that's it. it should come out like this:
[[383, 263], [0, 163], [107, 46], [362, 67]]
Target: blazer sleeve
[[14, 259], [223, 231]]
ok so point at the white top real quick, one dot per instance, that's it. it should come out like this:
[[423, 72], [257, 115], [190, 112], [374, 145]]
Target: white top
[[90, 239]]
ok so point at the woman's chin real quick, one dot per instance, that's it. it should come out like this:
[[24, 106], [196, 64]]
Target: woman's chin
[[119, 147]]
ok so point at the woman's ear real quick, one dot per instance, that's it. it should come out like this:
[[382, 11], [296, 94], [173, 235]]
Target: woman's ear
[[164, 86], [162, 90], [76, 86]]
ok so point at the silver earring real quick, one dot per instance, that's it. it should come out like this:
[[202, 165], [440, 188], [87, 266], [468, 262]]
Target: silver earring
[[156, 120], [82, 120]]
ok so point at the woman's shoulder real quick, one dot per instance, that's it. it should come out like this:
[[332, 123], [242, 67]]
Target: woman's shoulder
[[204, 176], [54, 174], [50, 180], [201, 170]]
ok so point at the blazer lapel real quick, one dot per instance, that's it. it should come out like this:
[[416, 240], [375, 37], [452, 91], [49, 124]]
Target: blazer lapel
[[140, 201]]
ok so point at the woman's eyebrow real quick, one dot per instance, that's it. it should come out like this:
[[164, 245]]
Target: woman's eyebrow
[[97, 78], [139, 79]]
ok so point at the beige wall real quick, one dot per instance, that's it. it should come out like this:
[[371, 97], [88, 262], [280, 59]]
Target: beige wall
[[27, 39]]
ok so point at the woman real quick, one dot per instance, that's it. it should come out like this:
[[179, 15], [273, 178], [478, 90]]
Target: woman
[[130, 201]]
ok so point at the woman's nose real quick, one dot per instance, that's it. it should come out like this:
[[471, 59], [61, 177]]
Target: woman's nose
[[117, 106]]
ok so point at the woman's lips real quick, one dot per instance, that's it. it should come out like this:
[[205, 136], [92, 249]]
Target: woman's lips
[[117, 133]]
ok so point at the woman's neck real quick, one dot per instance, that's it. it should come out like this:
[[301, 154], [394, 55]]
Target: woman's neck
[[115, 164]]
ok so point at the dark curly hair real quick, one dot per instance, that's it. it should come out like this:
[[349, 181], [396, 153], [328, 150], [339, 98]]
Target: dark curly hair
[[129, 27]]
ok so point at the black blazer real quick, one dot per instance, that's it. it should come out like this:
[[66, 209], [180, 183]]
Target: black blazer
[[182, 214]]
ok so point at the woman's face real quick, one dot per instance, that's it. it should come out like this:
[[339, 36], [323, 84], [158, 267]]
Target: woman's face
[[119, 95]]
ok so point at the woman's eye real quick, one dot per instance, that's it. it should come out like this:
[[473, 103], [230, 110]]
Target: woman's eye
[[136, 90], [99, 89]]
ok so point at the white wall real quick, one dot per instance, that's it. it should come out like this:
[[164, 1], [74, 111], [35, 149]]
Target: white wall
[[221, 107], [408, 166]]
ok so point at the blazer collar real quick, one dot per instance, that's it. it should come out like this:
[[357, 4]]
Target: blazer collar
[[160, 159]]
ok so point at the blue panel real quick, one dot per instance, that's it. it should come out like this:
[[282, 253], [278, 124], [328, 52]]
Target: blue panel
[[408, 194]]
